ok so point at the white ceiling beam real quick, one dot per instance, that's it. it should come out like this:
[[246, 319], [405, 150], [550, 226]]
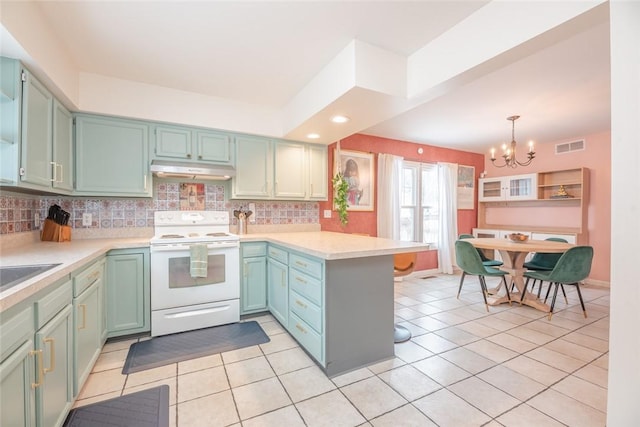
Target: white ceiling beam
[[488, 33]]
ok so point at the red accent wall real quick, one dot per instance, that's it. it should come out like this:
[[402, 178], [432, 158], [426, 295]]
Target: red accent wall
[[365, 222]]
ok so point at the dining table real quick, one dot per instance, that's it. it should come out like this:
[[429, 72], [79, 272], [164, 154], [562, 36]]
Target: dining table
[[513, 257]]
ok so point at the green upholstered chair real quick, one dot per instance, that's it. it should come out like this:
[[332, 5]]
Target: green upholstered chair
[[573, 266], [487, 262], [543, 262], [469, 261]]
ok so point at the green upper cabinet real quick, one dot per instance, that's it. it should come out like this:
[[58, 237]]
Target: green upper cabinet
[[192, 145], [254, 168], [290, 167], [112, 157], [286, 170], [318, 172], [62, 148], [36, 134]]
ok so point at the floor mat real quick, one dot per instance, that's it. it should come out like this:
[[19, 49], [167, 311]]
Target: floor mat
[[146, 408], [160, 351]]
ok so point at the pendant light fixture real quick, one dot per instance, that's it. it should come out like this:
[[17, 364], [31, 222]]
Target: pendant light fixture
[[509, 152]]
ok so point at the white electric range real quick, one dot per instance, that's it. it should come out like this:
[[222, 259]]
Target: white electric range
[[180, 302]]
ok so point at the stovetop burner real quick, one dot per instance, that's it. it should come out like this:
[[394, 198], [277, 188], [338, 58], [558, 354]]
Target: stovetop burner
[[186, 227]]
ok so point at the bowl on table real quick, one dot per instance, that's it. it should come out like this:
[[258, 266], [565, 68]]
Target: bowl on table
[[518, 237]]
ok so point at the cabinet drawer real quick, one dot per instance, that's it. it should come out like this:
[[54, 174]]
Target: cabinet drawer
[[87, 277], [49, 305], [307, 265], [278, 254], [15, 331], [306, 310], [253, 249], [307, 337], [306, 286]]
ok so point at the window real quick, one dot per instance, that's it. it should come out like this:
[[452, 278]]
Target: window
[[419, 210]]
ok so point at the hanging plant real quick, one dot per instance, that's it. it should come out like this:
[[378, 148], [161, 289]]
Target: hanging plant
[[340, 187]]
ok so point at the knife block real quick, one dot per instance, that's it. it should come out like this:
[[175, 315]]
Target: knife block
[[52, 232]]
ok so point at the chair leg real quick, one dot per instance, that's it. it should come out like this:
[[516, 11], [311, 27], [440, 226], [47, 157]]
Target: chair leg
[[548, 289], [566, 301], [584, 310], [553, 301], [460, 287], [506, 287], [539, 288], [483, 286]]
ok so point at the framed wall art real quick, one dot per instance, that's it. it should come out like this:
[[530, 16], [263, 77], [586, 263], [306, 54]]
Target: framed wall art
[[358, 170], [466, 187]]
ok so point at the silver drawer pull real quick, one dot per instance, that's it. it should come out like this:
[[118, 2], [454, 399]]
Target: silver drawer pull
[[302, 264], [300, 328], [300, 280], [301, 304]]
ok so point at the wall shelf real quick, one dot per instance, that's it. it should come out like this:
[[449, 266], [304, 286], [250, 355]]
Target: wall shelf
[[571, 213]]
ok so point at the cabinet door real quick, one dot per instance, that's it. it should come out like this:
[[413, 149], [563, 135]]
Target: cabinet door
[[62, 148], [521, 187], [127, 294], [87, 334], [37, 113], [254, 168], [54, 396], [112, 157], [254, 284], [491, 189], [173, 143], [318, 171], [290, 169], [278, 290], [17, 403], [213, 147]]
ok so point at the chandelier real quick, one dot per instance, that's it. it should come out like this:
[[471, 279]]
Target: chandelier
[[509, 152]]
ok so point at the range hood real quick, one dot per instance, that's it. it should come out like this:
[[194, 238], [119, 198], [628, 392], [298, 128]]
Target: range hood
[[165, 169]]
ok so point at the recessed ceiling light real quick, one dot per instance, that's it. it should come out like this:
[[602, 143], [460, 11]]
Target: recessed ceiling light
[[339, 119], [313, 136]]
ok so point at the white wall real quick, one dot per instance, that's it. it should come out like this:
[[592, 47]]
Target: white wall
[[623, 408]]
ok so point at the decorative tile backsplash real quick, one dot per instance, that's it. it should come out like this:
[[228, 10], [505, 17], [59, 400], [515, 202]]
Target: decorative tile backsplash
[[17, 211]]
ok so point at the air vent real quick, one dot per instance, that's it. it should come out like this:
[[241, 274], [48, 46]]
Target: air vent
[[568, 147]]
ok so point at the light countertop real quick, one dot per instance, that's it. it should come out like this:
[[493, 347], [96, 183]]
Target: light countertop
[[70, 255], [76, 254], [329, 245]]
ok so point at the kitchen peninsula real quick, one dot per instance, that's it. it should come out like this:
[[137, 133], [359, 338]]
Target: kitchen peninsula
[[334, 293]]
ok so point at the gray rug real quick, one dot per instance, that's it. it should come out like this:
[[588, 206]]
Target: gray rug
[[146, 408], [160, 351]]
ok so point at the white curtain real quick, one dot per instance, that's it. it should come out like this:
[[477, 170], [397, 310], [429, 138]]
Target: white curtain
[[389, 174], [448, 230]]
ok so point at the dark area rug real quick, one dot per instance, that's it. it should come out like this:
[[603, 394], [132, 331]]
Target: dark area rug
[[146, 408], [160, 351]]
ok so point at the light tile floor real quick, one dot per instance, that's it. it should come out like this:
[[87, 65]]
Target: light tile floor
[[464, 366]]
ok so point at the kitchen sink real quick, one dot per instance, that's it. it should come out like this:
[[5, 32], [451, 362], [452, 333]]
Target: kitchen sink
[[11, 276]]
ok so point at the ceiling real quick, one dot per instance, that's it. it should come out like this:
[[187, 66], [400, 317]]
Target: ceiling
[[264, 53]]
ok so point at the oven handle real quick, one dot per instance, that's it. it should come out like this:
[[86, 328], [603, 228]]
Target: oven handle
[[176, 248]]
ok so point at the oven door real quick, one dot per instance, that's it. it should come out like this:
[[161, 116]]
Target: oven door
[[173, 286]]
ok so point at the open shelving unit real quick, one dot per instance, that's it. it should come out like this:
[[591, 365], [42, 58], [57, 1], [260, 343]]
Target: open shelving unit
[[566, 215]]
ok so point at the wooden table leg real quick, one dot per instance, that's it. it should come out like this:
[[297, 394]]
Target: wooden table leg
[[513, 265]]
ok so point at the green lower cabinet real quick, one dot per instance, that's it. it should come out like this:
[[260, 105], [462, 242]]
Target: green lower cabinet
[[54, 391], [278, 290], [253, 292], [128, 292], [87, 321], [17, 399]]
